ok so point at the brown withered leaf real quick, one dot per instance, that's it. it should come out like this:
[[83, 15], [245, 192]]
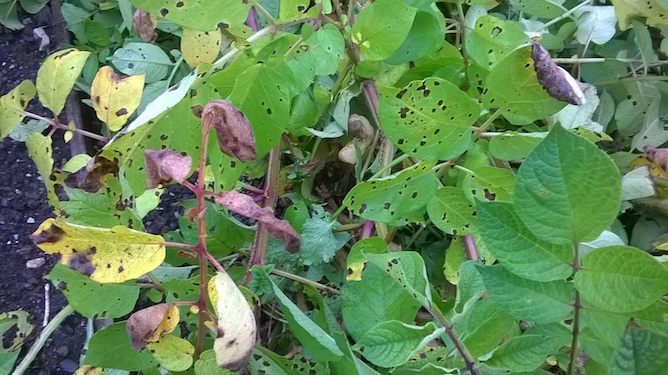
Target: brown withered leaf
[[554, 79], [234, 131], [145, 25], [149, 324], [246, 206], [165, 165], [658, 155], [91, 177]]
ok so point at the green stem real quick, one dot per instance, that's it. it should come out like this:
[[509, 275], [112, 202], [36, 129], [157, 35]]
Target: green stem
[[174, 70], [389, 165], [41, 340], [234, 51], [306, 281], [488, 122], [567, 14]]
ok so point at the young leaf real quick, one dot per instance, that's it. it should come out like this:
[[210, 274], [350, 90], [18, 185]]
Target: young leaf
[[110, 348], [200, 46], [410, 190], [246, 206], [567, 189], [392, 343], [424, 36], [452, 212], [236, 325], [198, 14], [13, 105], [164, 166], [429, 119], [235, 134], [379, 40], [115, 97], [621, 279], [105, 255], [513, 87], [641, 351], [92, 299], [150, 324], [484, 325], [517, 248], [528, 300], [56, 77], [173, 353], [319, 344]]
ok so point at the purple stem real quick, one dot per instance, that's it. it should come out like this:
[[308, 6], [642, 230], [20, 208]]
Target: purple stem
[[368, 229], [471, 248]]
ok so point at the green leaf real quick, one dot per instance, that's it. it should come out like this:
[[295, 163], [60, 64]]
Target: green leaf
[[514, 146], [39, 150], [96, 33], [627, 10], [512, 86], [567, 190], [484, 326], [264, 361], [142, 58], [621, 279], [56, 77], [492, 40], [391, 198], [546, 9], [452, 212], [425, 34], [407, 271], [528, 351], [517, 248], [203, 15], [206, 365], [319, 242], [489, 183], [319, 344], [110, 348], [429, 119], [528, 300], [173, 353], [392, 343], [375, 299], [13, 105], [654, 129], [379, 40], [9, 17], [294, 10], [641, 352], [92, 299]]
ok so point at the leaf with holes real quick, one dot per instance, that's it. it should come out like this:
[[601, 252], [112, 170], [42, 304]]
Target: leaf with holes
[[379, 40], [56, 77], [513, 87], [200, 46], [452, 212], [201, 15], [492, 40], [105, 255], [391, 198], [142, 58], [115, 97], [489, 183], [429, 119], [294, 10], [407, 271], [12, 106]]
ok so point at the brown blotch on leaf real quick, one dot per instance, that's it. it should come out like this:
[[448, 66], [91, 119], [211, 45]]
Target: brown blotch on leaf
[[143, 324], [658, 155], [50, 235], [81, 262], [121, 112], [92, 177], [246, 206], [164, 166], [144, 26], [234, 131]]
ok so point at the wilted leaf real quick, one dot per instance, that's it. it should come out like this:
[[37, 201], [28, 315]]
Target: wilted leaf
[[659, 156], [235, 134], [149, 324], [144, 25], [115, 97], [105, 255], [554, 79], [165, 165], [246, 206], [236, 325]]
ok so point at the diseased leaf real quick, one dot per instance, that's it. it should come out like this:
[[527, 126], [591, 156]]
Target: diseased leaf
[[12, 106], [173, 353], [234, 131], [492, 40], [56, 77], [105, 255], [452, 212], [115, 97], [198, 14], [651, 10], [540, 8], [150, 324], [144, 25], [200, 47], [246, 206], [142, 58], [164, 166]]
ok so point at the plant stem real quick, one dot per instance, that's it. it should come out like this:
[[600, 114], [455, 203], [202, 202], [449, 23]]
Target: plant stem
[[58, 125], [576, 334], [449, 330], [470, 247], [566, 14], [234, 51], [391, 164], [174, 70], [306, 281], [41, 340], [487, 122]]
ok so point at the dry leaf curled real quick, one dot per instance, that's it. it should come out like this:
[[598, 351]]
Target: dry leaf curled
[[165, 165], [145, 25], [149, 324], [235, 134]]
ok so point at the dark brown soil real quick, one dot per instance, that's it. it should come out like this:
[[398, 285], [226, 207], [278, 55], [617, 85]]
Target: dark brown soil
[[23, 207]]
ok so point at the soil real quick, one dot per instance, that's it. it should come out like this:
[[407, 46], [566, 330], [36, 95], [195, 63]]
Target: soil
[[23, 207]]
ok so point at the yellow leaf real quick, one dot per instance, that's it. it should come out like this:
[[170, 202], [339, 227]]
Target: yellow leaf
[[115, 97], [88, 370], [13, 105], [56, 77], [236, 325], [39, 150], [651, 10], [68, 136], [105, 255], [174, 353], [200, 46]]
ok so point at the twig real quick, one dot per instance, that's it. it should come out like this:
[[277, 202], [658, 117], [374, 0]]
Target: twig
[[306, 281], [41, 340], [58, 125]]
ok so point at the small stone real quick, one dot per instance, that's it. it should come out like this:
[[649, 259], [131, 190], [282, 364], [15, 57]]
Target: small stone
[[62, 351], [69, 365], [35, 263], [30, 220]]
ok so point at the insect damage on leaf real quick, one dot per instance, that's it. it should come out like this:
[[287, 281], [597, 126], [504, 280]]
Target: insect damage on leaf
[[246, 206], [235, 134], [554, 79], [149, 324], [165, 165]]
